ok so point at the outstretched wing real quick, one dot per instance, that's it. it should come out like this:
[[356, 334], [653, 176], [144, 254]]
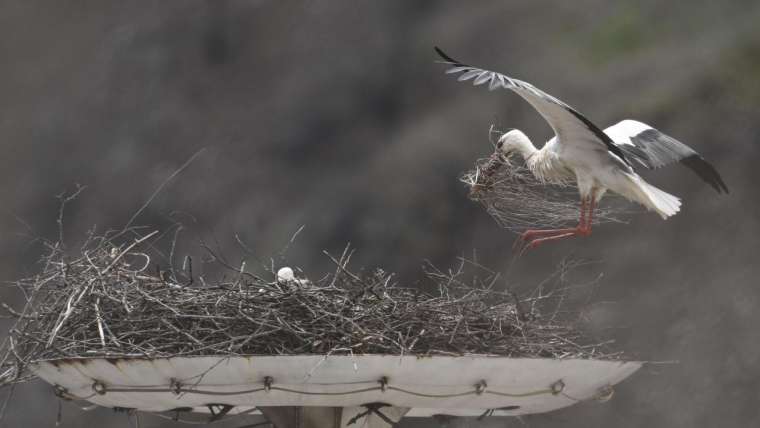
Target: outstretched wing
[[653, 149], [570, 126]]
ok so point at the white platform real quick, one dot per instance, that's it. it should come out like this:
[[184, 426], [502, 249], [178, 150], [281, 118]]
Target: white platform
[[464, 386]]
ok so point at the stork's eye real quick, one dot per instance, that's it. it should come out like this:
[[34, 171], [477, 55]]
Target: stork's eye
[[499, 144]]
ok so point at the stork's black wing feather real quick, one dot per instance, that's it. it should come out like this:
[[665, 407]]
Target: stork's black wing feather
[[571, 126], [447, 58], [654, 149]]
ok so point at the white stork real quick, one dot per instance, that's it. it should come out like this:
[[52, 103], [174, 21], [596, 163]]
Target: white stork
[[598, 160]]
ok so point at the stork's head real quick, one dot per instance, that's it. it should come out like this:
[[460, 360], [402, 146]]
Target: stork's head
[[515, 141]]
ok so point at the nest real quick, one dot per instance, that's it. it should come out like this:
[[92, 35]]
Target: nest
[[108, 302], [517, 200]]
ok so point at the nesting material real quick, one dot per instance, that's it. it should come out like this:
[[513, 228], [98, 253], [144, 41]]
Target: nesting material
[[108, 302], [518, 201]]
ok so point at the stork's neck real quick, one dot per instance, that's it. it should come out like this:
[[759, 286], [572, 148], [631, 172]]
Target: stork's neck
[[527, 150], [539, 161]]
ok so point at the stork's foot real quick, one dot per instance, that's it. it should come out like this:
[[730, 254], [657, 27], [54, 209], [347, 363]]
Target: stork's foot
[[532, 234], [533, 238]]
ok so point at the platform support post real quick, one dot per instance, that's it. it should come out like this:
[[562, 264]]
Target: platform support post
[[369, 416]]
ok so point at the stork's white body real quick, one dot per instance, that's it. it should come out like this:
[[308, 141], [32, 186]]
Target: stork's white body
[[594, 171]]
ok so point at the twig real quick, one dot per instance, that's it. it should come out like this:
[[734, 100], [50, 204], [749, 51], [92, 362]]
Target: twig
[[161, 187], [117, 258]]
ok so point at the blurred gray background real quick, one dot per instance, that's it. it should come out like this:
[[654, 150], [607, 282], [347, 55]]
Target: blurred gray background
[[333, 115]]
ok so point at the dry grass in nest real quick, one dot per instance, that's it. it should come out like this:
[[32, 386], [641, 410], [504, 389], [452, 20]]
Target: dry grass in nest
[[518, 201], [106, 302]]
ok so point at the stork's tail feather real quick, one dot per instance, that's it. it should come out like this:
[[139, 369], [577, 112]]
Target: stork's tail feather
[[664, 203]]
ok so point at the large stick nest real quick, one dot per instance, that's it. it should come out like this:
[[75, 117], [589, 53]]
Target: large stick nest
[[106, 302]]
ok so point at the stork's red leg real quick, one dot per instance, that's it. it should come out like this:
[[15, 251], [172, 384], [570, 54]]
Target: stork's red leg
[[584, 206], [530, 234], [534, 238], [538, 241], [590, 218]]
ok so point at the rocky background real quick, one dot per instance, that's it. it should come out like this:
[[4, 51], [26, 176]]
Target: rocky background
[[333, 115]]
